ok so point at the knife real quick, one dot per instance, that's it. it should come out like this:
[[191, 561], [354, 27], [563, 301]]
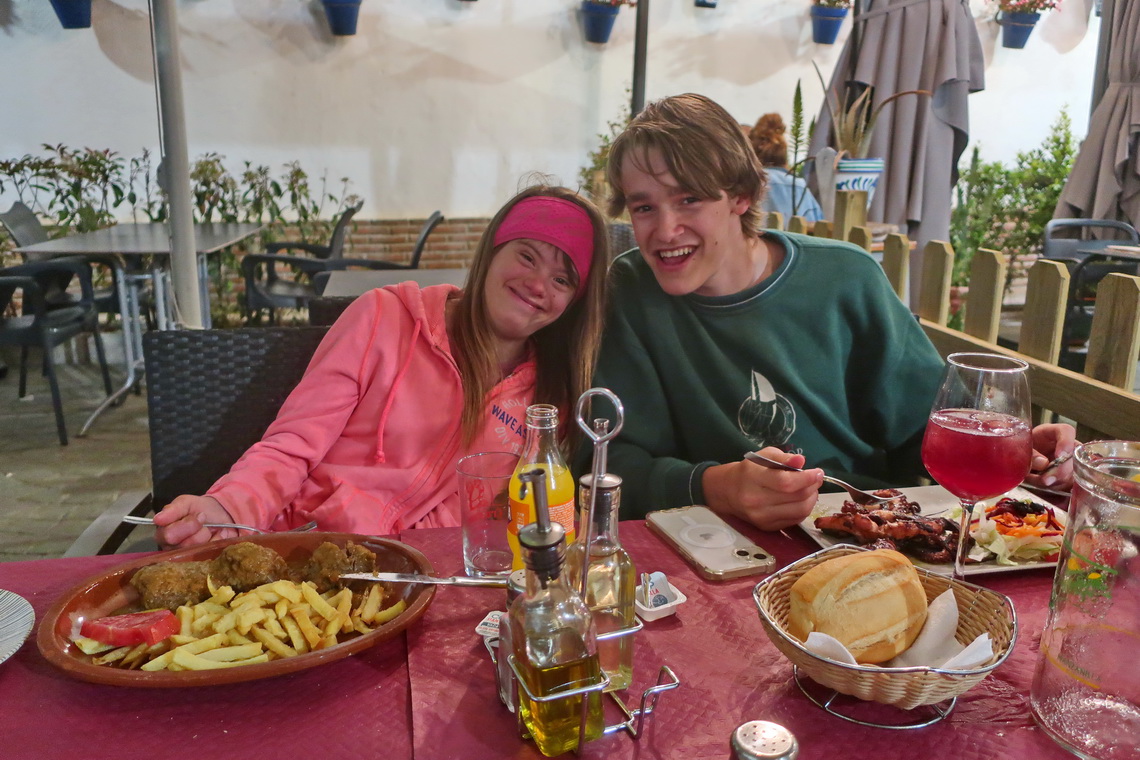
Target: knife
[[459, 580]]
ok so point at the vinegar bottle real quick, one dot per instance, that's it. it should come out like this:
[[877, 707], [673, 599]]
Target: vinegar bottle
[[541, 452], [553, 639], [611, 580]]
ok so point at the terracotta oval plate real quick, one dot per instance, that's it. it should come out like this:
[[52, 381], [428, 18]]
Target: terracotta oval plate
[[110, 591]]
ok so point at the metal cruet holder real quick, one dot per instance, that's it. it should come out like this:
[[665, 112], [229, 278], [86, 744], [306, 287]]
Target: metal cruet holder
[[601, 432]]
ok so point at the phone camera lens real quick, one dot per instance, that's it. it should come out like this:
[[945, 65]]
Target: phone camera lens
[[741, 552], [760, 557]]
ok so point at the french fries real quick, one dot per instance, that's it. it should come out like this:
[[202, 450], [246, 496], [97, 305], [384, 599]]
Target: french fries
[[273, 621]]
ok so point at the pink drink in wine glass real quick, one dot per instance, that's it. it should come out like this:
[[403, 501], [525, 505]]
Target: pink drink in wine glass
[[976, 455], [978, 443]]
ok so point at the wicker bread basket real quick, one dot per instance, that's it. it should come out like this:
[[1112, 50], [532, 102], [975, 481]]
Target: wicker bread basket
[[979, 611]]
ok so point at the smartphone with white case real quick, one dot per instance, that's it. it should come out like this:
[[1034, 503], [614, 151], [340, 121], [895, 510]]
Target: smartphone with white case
[[716, 549]]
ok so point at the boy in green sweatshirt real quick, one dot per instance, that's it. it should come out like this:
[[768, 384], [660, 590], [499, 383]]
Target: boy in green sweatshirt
[[723, 339]]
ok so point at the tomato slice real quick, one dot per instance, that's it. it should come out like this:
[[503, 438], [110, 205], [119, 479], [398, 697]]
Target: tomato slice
[[136, 628]]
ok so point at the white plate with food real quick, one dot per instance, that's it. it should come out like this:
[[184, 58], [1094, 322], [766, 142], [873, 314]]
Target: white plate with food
[[1023, 534], [16, 621]]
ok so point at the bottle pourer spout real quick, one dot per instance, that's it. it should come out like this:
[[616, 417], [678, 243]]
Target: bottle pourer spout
[[535, 480]]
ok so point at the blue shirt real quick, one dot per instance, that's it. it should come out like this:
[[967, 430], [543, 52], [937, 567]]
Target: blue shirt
[[779, 196]]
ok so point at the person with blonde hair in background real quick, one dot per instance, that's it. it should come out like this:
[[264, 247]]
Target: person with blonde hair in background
[[787, 194]]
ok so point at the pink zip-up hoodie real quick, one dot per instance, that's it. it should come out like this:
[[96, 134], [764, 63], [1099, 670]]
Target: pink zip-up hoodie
[[368, 440]]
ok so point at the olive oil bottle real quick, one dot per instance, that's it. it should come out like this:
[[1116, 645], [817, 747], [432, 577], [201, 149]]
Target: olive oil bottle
[[553, 637], [611, 580]]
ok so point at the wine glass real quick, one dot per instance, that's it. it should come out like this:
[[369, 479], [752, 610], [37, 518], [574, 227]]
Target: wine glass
[[978, 443]]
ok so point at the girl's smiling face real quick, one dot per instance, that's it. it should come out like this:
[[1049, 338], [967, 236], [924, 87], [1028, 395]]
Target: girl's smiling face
[[529, 285]]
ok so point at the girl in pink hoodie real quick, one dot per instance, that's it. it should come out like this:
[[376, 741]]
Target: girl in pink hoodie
[[409, 380]]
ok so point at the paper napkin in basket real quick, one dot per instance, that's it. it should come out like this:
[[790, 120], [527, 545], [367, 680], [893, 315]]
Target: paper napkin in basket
[[935, 646]]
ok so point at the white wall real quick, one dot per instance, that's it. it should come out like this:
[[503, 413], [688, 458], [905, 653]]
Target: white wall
[[444, 104]]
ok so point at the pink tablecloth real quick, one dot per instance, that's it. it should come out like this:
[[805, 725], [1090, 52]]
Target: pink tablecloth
[[729, 670], [435, 695], [353, 708]]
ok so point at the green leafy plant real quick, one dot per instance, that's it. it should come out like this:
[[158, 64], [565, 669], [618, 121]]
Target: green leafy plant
[[800, 139], [833, 3], [82, 190], [1006, 208], [613, 2], [592, 176]]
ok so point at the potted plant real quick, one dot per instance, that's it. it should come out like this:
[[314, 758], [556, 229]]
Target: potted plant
[[342, 16], [598, 18], [73, 14], [1017, 19], [852, 127], [826, 18]]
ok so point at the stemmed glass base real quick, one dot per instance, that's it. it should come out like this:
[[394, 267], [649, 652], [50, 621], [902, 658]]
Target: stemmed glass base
[[963, 539]]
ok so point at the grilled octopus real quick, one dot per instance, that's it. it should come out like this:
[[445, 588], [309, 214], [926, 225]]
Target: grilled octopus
[[896, 524]]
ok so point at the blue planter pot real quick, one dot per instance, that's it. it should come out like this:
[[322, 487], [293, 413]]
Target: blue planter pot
[[598, 20], [73, 14], [705, 3], [825, 23], [342, 16], [1016, 28]]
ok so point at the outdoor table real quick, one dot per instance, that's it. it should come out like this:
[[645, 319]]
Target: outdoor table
[[1125, 253], [141, 242], [431, 693], [356, 282]]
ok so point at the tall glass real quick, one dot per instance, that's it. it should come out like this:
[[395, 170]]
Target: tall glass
[[978, 443], [1086, 691]]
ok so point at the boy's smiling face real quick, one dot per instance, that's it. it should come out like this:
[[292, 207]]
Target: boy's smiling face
[[692, 244]]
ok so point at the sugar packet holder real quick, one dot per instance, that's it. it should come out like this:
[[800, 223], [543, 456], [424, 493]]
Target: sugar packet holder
[[656, 597]]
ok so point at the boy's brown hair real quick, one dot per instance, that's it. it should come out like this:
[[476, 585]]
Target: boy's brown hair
[[702, 146]]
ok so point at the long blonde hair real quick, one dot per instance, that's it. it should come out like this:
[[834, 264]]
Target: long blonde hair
[[565, 350]]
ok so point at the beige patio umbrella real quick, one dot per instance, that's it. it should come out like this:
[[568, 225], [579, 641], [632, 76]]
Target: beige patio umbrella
[[1105, 181], [900, 45]]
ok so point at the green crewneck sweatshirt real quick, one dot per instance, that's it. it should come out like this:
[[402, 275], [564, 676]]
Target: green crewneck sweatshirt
[[821, 358]]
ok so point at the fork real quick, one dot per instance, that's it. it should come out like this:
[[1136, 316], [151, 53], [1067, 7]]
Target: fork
[[133, 520], [857, 495]]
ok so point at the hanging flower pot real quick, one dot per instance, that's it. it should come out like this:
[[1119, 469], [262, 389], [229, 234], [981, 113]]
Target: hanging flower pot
[[342, 16], [1016, 27], [598, 20], [705, 3], [859, 174], [73, 14], [825, 23]]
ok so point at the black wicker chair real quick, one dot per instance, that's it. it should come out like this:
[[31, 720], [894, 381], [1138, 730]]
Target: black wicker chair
[[210, 396]]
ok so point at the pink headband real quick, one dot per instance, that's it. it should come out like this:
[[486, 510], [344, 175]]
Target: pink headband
[[562, 223]]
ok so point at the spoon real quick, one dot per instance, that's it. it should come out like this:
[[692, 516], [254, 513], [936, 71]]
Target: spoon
[[312, 524], [858, 496]]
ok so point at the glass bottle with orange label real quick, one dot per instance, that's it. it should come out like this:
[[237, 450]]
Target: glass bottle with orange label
[[541, 451]]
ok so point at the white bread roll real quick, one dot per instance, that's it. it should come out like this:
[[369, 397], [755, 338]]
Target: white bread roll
[[872, 602]]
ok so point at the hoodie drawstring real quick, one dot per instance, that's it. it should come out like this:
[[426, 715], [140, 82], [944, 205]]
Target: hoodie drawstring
[[392, 395]]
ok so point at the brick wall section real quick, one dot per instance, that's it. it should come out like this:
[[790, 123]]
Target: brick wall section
[[451, 244]]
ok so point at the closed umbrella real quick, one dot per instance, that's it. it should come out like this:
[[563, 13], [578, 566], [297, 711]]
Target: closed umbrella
[[1105, 181], [905, 45]]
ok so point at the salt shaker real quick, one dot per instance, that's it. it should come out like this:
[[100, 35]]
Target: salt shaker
[[764, 740]]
